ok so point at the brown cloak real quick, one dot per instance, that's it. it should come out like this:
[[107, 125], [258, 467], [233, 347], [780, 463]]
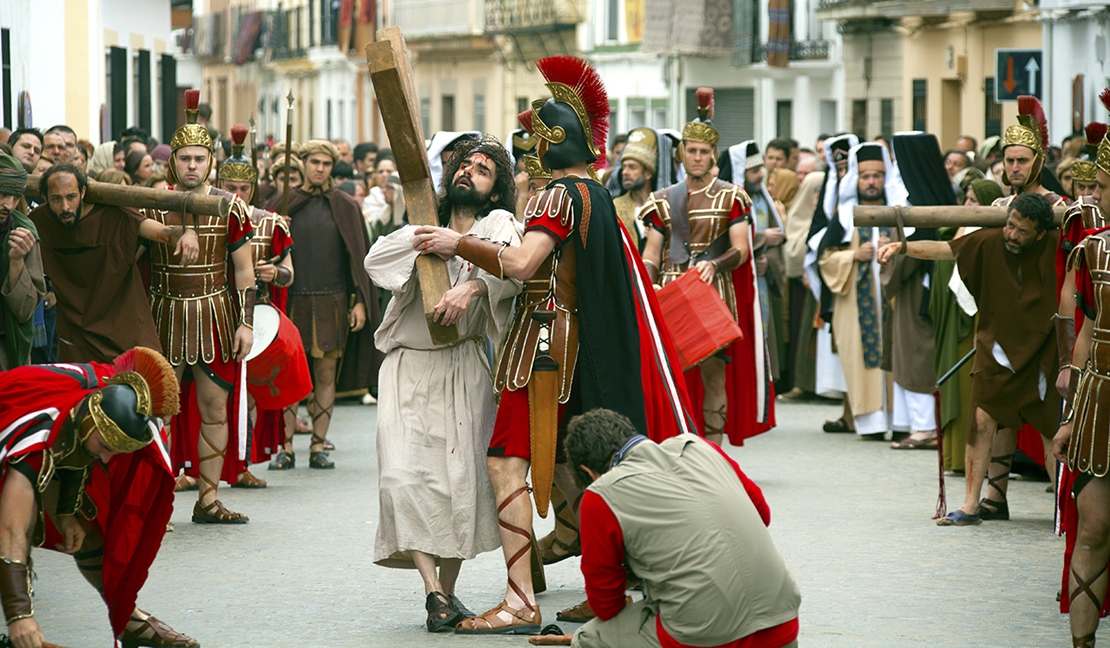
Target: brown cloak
[[361, 360], [102, 307]]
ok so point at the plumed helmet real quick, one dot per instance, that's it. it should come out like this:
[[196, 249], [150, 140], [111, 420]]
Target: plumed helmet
[[573, 125]]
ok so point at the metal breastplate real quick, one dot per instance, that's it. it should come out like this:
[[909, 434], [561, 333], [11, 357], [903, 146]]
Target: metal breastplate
[[553, 287], [702, 231], [191, 304], [264, 224]]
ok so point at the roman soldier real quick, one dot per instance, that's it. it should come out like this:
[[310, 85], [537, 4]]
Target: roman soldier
[[585, 333], [85, 469], [204, 318], [1082, 441], [1084, 172], [704, 224], [1024, 152]]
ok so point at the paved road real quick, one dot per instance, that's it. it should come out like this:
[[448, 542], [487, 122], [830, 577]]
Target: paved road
[[852, 519]]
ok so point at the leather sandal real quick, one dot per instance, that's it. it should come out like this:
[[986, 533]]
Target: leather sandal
[[152, 633], [185, 483], [547, 546], [283, 461], [523, 621], [582, 612], [247, 480], [1001, 510], [216, 513], [442, 613], [460, 607], [319, 459]]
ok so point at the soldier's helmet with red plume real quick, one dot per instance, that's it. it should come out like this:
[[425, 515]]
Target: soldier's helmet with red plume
[[573, 125], [1085, 170], [238, 167], [1031, 131], [701, 129]]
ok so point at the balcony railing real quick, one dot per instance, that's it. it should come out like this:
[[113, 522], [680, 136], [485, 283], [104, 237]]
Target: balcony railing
[[810, 50], [521, 16], [424, 18]]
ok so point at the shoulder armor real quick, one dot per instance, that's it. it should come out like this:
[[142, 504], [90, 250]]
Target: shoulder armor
[[240, 210], [552, 202], [1077, 256]]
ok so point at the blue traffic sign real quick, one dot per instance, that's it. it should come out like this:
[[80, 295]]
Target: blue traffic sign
[[1018, 72]]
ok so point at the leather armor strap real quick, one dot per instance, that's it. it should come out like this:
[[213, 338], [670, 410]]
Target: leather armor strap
[[728, 261], [1065, 338], [283, 276], [15, 590], [1069, 398], [247, 298], [71, 489], [482, 253]]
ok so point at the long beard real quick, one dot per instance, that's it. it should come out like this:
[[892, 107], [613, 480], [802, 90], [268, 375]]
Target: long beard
[[634, 185]]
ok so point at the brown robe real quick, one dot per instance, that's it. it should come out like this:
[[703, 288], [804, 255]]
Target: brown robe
[[361, 360], [913, 347], [1016, 294], [103, 309]]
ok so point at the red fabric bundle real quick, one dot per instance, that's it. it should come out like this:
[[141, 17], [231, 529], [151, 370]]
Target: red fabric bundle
[[697, 318]]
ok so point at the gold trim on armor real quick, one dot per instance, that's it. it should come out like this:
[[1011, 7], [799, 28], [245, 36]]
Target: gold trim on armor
[[700, 132], [1084, 171], [1022, 135]]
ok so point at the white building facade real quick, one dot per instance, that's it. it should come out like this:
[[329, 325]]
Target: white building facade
[[1075, 37]]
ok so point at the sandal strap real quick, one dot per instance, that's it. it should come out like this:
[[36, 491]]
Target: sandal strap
[[1006, 461], [1084, 587], [216, 509], [153, 629]]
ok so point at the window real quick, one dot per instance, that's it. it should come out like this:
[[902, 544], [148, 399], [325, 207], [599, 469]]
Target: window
[[659, 113], [6, 74], [116, 79], [920, 102], [327, 111], [784, 118], [614, 20], [426, 115], [480, 112], [448, 103], [993, 110], [886, 116], [859, 118], [522, 104], [637, 113]]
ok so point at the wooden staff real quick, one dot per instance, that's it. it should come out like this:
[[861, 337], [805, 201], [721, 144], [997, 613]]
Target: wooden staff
[[943, 216], [392, 81], [288, 152], [105, 193]]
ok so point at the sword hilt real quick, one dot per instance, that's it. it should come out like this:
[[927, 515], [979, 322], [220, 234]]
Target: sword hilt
[[544, 318]]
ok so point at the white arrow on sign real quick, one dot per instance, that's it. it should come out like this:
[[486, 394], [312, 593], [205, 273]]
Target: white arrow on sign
[[1032, 68]]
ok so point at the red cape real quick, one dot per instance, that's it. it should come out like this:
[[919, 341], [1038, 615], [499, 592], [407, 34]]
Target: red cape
[[133, 494], [747, 417]]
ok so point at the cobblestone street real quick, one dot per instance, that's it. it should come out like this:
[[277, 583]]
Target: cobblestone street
[[851, 518]]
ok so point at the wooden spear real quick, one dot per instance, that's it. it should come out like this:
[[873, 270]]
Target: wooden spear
[[943, 216], [105, 193]]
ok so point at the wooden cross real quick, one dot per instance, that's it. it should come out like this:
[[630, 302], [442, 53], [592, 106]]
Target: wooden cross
[[389, 72], [106, 193], [942, 216]]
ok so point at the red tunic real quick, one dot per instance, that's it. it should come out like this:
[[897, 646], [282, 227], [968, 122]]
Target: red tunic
[[133, 497], [603, 557]]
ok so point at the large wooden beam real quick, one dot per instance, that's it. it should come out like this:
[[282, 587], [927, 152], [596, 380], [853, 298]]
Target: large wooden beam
[[389, 72], [105, 193], [867, 216]]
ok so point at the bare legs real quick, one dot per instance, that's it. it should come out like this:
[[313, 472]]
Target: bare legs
[[715, 405], [1087, 580], [320, 407], [437, 580], [979, 443]]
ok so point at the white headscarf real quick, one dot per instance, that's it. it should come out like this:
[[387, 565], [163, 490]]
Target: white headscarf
[[894, 188]]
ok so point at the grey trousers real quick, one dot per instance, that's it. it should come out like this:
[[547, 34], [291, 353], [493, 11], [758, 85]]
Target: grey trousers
[[634, 627]]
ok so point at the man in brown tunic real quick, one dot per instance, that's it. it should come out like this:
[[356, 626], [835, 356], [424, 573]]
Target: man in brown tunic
[[332, 295], [1011, 272], [105, 312], [22, 286]]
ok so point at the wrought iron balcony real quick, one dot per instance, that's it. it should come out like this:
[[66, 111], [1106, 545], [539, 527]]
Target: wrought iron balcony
[[810, 50], [530, 16]]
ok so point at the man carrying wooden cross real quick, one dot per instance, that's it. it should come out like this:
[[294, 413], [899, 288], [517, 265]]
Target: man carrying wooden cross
[[589, 297], [1011, 273]]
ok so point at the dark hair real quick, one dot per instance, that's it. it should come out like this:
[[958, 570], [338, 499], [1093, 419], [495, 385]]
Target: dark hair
[[126, 143], [347, 187], [135, 131], [964, 156], [154, 179], [14, 137], [1035, 207], [132, 162], [592, 440], [974, 142], [61, 128], [382, 157], [65, 167], [364, 148], [782, 144], [620, 139], [204, 111], [342, 170], [503, 187], [823, 136]]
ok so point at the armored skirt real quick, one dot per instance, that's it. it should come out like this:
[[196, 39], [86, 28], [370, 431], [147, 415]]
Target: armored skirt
[[436, 407]]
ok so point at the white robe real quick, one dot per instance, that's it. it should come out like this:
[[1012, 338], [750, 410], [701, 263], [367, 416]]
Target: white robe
[[436, 407]]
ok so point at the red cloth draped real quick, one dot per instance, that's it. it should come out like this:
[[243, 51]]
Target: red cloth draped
[[133, 494]]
